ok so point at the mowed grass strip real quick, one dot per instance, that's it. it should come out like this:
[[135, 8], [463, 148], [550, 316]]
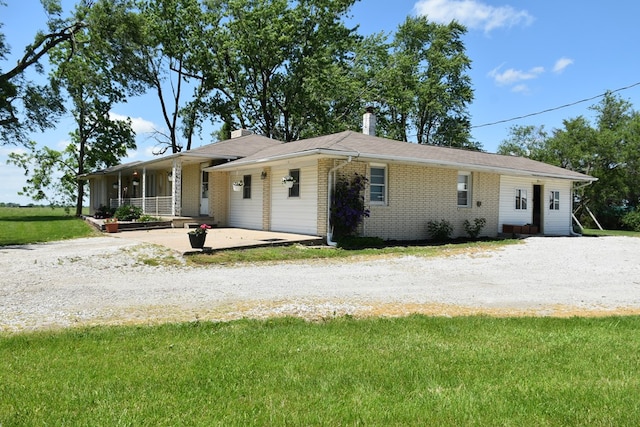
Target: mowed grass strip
[[19, 226], [380, 371]]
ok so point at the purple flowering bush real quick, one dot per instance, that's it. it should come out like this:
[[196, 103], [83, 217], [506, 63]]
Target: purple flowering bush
[[347, 205]]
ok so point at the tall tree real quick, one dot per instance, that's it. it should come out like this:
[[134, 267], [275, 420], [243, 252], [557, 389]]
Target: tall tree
[[24, 105], [96, 74], [275, 65], [175, 34], [526, 141], [420, 84]]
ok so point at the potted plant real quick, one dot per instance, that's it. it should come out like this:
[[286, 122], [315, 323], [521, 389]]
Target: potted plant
[[111, 225], [198, 235], [288, 181], [237, 185]]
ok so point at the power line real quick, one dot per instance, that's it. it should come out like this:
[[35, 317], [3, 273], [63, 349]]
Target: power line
[[556, 108]]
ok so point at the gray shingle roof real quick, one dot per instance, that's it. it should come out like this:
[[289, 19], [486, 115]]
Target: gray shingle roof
[[370, 148]]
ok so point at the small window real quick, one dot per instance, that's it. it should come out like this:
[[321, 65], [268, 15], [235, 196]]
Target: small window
[[554, 201], [295, 190], [464, 189], [521, 199], [378, 184], [246, 188]]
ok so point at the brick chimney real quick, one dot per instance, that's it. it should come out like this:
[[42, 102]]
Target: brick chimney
[[240, 132], [369, 122]]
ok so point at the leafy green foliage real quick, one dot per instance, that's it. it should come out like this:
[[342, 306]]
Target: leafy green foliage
[[419, 83], [440, 231], [128, 213], [25, 106], [474, 230], [417, 370], [631, 220], [347, 205]]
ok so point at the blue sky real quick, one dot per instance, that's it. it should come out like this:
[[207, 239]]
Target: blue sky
[[527, 57]]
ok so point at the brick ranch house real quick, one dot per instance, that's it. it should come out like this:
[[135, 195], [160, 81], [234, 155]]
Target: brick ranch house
[[410, 184]]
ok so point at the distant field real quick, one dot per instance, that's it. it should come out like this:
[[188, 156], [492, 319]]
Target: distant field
[[19, 226]]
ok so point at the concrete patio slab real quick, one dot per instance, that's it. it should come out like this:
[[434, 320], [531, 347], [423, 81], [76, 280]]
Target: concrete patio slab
[[217, 238]]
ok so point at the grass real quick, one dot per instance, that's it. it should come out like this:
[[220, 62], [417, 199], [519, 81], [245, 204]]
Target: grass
[[597, 232], [20, 226], [405, 371], [301, 252]]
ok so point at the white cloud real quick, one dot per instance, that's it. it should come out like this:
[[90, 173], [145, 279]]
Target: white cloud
[[138, 124], [512, 76], [473, 14], [561, 64], [521, 88]]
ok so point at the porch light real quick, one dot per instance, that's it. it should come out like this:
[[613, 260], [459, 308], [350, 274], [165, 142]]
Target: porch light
[[115, 185], [170, 176], [263, 175]]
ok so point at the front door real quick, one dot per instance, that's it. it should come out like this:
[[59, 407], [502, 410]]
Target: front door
[[204, 193], [537, 206]]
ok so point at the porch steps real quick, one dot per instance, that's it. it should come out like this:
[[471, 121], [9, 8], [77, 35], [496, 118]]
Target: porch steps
[[193, 222]]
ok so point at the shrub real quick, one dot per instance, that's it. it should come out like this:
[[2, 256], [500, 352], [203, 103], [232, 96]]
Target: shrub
[[347, 205], [440, 231], [473, 230], [632, 220], [128, 213], [148, 218]]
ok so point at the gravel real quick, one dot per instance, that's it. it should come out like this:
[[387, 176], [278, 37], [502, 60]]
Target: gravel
[[107, 281]]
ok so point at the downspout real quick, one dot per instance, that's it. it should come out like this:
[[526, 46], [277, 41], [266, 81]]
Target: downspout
[[571, 232], [330, 180]]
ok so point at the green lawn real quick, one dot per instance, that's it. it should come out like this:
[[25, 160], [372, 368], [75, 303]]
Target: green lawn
[[596, 232], [19, 226], [409, 371]]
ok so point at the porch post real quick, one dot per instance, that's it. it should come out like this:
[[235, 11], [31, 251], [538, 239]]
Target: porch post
[[144, 190], [119, 189], [176, 189]]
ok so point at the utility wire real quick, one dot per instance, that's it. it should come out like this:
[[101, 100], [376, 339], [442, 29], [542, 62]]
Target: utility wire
[[556, 108]]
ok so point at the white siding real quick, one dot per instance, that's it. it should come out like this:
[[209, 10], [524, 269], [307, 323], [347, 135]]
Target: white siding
[[557, 222], [246, 213], [553, 222], [508, 213], [295, 214]]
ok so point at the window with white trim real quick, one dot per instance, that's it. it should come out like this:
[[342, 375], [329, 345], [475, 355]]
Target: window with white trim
[[554, 200], [378, 184], [464, 189], [521, 199]]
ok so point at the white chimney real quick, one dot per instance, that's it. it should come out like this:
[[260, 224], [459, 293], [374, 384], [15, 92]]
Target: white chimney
[[369, 122], [240, 132]]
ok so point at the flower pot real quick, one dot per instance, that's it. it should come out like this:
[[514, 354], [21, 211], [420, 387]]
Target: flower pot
[[197, 240], [237, 188], [287, 184], [111, 227]]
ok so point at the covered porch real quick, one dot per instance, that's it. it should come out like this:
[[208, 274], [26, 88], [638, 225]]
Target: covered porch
[[170, 187]]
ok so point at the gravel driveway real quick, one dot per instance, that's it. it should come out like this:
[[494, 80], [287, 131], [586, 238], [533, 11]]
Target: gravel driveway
[[104, 281]]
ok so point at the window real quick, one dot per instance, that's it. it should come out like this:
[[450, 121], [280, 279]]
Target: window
[[246, 188], [521, 199], [378, 184], [554, 201], [295, 190], [464, 189]]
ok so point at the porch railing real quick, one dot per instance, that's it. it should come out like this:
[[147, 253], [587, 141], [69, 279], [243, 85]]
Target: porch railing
[[152, 205]]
